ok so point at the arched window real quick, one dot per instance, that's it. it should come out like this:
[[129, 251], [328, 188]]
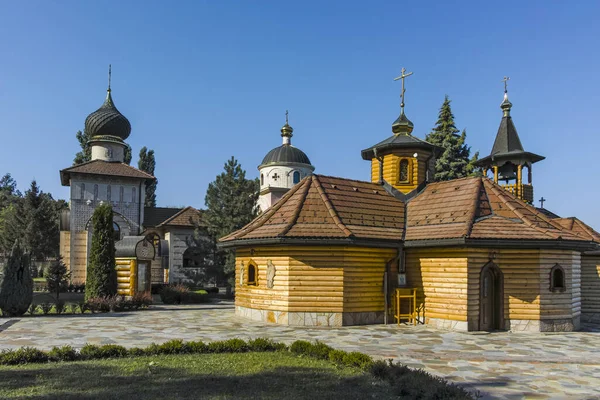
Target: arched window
[[296, 177], [557, 279], [404, 176], [262, 179], [133, 195], [108, 193], [252, 273], [117, 231], [82, 191], [95, 192]]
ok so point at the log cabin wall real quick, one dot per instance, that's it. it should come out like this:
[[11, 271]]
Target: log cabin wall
[[313, 286], [391, 168], [79, 253], [440, 276], [590, 288]]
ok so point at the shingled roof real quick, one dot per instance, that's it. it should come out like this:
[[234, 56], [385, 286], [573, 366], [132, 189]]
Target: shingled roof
[[324, 207], [478, 209], [156, 217], [579, 227], [101, 167]]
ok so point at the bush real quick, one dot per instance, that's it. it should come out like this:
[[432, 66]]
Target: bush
[[59, 307], [141, 300], [32, 309], [198, 347], [115, 303], [174, 346], [172, 294], [194, 298], [136, 352], [16, 283], [98, 304], [72, 307], [156, 288], [261, 344], [228, 346], [337, 356], [82, 307], [46, 307], [23, 355], [356, 359], [91, 351], [317, 350], [64, 353]]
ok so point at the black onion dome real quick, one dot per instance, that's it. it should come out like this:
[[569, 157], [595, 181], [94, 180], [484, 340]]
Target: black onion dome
[[286, 154], [108, 121]]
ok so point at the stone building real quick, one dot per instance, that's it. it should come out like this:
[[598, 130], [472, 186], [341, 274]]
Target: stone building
[[107, 179], [332, 250], [281, 169]]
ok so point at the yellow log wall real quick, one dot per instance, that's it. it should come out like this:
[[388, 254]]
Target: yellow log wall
[[126, 276], [79, 248], [590, 284], [65, 248], [440, 275], [391, 168], [315, 278], [560, 305]]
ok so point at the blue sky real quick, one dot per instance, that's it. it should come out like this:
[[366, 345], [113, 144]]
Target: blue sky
[[201, 81]]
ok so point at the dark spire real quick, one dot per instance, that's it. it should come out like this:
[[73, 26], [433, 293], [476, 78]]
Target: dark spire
[[286, 130], [402, 125]]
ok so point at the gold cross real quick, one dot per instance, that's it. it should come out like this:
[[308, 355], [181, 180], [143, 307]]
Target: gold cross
[[505, 80], [286, 117], [402, 76]]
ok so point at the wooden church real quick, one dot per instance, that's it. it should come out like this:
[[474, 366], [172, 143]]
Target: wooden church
[[475, 251]]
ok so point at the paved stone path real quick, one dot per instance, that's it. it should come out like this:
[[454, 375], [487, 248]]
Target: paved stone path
[[499, 365]]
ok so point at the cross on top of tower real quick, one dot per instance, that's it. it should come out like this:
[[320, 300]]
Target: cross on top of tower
[[286, 117], [109, 75], [542, 200], [402, 76]]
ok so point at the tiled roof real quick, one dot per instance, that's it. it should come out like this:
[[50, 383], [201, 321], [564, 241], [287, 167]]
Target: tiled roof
[[477, 208], [398, 142], [577, 226], [332, 208], [100, 167], [156, 217]]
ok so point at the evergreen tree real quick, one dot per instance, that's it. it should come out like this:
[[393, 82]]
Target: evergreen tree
[[147, 164], [12, 225], [127, 155], [16, 283], [8, 191], [41, 235], [101, 274], [57, 276], [230, 204], [85, 154], [455, 161]]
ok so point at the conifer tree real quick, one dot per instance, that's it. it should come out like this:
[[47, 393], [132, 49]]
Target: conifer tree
[[41, 235], [12, 225], [57, 276], [16, 283], [147, 164], [101, 274], [230, 204], [455, 161], [127, 155], [85, 154]]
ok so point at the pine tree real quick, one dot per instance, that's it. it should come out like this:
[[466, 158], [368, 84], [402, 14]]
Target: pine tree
[[16, 283], [12, 225], [127, 155], [85, 154], [41, 235], [101, 274], [147, 163], [57, 276], [455, 161], [230, 204]]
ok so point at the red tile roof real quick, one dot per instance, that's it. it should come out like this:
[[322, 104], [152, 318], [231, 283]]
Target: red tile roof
[[100, 167], [575, 225]]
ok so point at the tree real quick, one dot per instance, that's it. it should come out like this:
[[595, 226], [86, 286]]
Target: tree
[[147, 163], [231, 204], [12, 225], [41, 235], [85, 154], [57, 276], [455, 161], [101, 274], [16, 283], [8, 191]]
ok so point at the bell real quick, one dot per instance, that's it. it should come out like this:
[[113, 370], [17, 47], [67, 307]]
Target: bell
[[507, 172]]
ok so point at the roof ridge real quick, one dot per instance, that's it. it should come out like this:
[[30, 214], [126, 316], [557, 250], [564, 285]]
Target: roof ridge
[[473, 211], [178, 213], [502, 194], [588, 229], [297, 211], [332, 212]]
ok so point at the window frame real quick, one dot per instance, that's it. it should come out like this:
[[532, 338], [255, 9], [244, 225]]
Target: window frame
[[252, 267], [409, 169], [553, 284], [294, 174]]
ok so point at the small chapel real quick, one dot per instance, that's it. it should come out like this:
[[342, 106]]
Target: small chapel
[[152, 243], [475, 252]]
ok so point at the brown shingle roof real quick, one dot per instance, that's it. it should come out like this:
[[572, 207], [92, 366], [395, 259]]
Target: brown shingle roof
[[477, 208], [154, 216], [100, 167], [579, 227], [188, 217], [332, 208]]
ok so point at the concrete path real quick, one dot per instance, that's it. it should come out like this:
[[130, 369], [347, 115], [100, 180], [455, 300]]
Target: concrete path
[[499, 365]]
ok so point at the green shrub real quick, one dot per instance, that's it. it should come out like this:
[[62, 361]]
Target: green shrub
[[141, 300], [262, 344], [23, 355], [194, 298], [64, 353], [32, 309], [301, 347], [152, 350], [91, 351], [99, 304], [46, 307], [57, 277], [82, 307], [337, 356], [174, 346], [380, 369], [228, 346], [359, 360], [136, 351], [72, 308], [172, 294], [16, 283], [198, 347], [101, 280], [59, 307]]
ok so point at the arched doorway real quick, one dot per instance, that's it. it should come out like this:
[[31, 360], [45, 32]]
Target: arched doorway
[[491, 298]]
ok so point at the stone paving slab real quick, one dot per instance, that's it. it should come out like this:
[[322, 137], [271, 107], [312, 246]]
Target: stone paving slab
[[500, 365]]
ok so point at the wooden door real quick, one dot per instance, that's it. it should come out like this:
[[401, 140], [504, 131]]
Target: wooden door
[[490, 299]]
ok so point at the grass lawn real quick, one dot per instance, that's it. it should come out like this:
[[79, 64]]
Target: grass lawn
[[279, 375]]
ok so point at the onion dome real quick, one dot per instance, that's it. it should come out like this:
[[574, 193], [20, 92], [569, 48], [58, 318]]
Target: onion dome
[[402, 125], [108, 121], [286, 153]]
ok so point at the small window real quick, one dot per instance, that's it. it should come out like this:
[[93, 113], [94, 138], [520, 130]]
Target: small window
[[404, 176], [82, 191], [108, 193], [557, 279], [117, 232], [95, 192], [252, 272], [133, 195], [296, 177], [262, 179]]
